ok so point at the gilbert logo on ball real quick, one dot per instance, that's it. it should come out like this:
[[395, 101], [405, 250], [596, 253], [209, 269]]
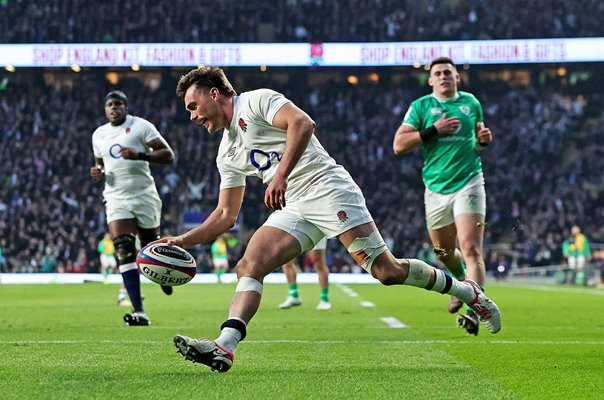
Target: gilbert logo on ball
[[166, 265]]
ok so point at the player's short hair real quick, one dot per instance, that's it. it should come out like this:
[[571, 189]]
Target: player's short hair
[[205, 77], [442, 60], [118, 95]]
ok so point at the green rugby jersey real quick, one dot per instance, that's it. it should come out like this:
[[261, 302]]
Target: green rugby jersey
[[450, 160]]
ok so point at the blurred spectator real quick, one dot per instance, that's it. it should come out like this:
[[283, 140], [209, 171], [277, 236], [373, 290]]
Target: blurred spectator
[[79, 265], [598, 264], [3, 263], [48, 264], [499, 265], [220, 256], [106, 250], [577, 252]]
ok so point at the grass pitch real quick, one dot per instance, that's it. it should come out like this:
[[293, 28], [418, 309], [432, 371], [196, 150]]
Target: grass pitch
[[69, 342]]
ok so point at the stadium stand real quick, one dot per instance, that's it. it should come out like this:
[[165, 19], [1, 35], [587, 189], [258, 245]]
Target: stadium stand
[[55, 21]]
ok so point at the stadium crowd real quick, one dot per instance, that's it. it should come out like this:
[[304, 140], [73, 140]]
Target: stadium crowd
[[68, 21], [542, 174]]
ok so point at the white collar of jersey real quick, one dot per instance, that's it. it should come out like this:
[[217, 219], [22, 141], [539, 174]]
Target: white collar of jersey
[[234, 119], [446, 100]]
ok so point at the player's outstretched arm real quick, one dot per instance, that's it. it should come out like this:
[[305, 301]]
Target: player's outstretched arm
[[220, 220]]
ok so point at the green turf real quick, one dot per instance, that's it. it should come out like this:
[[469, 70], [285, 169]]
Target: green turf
[[68, 342]]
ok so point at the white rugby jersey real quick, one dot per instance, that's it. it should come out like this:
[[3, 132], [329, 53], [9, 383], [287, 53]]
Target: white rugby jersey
[[252, 146], [125, 178]]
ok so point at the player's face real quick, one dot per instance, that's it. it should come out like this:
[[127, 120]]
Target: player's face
[[444, 79], [204, 109], [115, 110]]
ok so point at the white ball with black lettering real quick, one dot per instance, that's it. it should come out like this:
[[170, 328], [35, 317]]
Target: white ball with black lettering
[[166, 265]]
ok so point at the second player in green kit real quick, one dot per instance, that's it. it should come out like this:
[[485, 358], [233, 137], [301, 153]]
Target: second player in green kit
[[449, 127]]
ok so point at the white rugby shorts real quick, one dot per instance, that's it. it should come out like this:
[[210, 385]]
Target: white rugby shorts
[[146, 209], [220, 262], [322, 245], [576, 263], [441, 209], [332, 206], [108, 261]]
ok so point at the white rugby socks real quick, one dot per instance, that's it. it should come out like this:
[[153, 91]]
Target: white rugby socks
[[229, 336], [421, 273]]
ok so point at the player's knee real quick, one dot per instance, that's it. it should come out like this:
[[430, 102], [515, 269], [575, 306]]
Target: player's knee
[[246, 267], [125, 248], [384, 276], [289, 266], [471, 251], [366, 250]]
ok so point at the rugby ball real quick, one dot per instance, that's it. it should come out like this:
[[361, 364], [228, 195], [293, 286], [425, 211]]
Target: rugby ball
[[166, 265]]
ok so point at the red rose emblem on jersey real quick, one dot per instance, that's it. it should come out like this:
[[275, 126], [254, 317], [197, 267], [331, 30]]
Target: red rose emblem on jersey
[[242, 124]]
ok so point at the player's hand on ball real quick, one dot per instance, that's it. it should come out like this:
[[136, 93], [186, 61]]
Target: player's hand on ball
[[171, 241], [166, 265]]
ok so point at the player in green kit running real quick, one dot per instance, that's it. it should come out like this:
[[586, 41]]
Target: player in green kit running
[[220, 257], [449, 127]]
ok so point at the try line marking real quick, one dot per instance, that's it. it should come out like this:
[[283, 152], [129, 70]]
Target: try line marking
[[392, 342]]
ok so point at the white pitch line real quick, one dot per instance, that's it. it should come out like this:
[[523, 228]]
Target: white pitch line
[[560, 289], [394, 323], [392, 342], [367, 304], [348, 291]]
